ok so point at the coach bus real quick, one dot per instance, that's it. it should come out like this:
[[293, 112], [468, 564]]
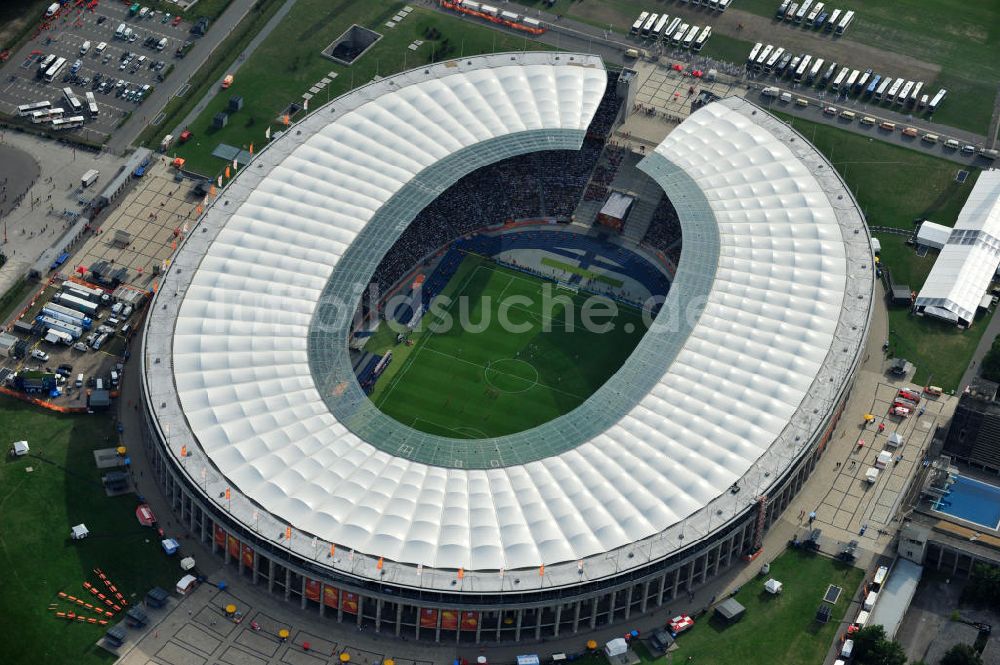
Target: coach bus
[[45, 63], [828, 75], [814, 72], [46, 115], [26, 110], [661, 26], [863, 81], [762, 57], [773, 60], [792, 8], [837, 82], [91, 103], [851, 80], [55, 69], [75, 105], [834, 17], [904, 94], [723, 5], [679, 35], [73, 122], [894, 90], [803, 9], [782, 8], [702, 38], [938, 98], [882, 87], [671, 29], [915, 95], [816, 9], [800, 71], [639, 22], [873, 85], [754, 52], [689, 37], [647, 27], [845, 22]]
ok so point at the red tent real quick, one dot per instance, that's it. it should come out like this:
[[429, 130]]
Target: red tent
[[145, 515]]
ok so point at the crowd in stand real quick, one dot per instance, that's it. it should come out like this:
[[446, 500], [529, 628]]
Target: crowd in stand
[[664, 230]]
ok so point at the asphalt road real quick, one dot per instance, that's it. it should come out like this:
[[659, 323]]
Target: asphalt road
[[184, 69]]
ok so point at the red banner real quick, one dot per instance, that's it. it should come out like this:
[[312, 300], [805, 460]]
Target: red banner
[[349, 602], [234, 547], [247, 556], [312, 590], [449, 620], [470, 620], [330, 596], [428, 618], [220, 536]]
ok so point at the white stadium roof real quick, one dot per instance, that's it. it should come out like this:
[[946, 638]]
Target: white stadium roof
[[775, 251], [965, 267]]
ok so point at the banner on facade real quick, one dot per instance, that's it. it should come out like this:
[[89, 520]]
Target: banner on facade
[[312, 589]]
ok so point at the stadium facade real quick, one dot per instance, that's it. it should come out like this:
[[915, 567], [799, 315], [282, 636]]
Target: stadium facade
[[669, 474]]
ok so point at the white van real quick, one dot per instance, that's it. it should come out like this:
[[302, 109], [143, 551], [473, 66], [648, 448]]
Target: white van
[[770, 92], [162, 44], [79, 380], [84, 48], [847, 649], [120, 32], [114, 377], [100, 48], [786, 97], [952, 144]]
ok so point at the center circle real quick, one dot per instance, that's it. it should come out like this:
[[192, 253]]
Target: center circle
[[511, 375]]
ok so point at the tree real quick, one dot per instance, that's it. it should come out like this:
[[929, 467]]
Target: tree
[[866, 639], [984, 585], [961, 654], [990, 366], [872, 647]]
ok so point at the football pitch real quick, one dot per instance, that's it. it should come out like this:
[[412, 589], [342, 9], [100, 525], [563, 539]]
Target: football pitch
[[499, 352]]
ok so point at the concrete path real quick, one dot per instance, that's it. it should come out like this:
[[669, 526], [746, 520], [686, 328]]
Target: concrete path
[[235, 67], [184, 69]]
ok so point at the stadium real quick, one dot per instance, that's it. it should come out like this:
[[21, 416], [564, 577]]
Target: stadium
[[270, 429]]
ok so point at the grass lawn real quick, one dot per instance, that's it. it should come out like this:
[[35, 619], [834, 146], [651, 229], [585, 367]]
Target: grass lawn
[[894, 185], [466, 383], [277, 75], [10, 300], [940, 350], [726, 48], [36, 554]]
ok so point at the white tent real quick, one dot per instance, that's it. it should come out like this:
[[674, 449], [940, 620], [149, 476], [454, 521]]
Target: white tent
[[19, 448], [933, 235], [79, 532], [963, 271], [773, 586], [871, 475], [883, 459], [616, 647], [185, 584], [187, 563]]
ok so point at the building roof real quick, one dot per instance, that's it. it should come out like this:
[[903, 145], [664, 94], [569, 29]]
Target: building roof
[[965, 267], [730, 609], [781, 250], [933, 234], [617, 205]]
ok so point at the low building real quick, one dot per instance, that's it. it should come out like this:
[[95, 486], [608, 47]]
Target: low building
[[933, 235], [895, 595], [8, 343]]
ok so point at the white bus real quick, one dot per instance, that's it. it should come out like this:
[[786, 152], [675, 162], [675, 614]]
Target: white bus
[[73, 122], [648, 25], [896, 85], [773, 60], [817, 66], [863, 80], [26, 110], [671, 29], [840, 79], [724, 5], [45, 63], [91, 103], [782, 8], [679, 35], [55, 69], [845, 22], [660, 26], [800, 71], [904, 94], [75, 105], [689, 37], [790, 13], [828, 75], [851, 80], [639, 22], [754, 52], [816, 9], [832, 23], [706, 32], [936, 101], [882, 87], [915, 95], [762, 58], [803, 9]]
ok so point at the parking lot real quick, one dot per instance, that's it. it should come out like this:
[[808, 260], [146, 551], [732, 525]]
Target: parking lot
[[116, 79]]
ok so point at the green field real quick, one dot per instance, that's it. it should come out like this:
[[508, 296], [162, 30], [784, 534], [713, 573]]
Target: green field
[[277, 73], [582, 272], [895, 187], [465, 383], [63, 488]]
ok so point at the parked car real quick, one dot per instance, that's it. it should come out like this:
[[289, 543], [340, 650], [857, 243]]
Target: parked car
[[38, 354]]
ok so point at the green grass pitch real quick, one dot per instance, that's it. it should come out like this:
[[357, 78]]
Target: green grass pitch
[[481, 380]]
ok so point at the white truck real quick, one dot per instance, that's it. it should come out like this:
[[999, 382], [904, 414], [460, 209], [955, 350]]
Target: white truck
[[89, 178]]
